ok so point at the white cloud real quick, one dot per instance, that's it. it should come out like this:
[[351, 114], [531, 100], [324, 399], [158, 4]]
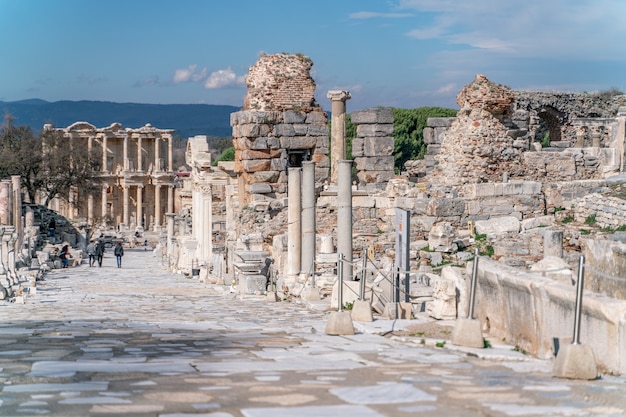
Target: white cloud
[[223, 78], [185, 75], [372, 15], [561, 29]]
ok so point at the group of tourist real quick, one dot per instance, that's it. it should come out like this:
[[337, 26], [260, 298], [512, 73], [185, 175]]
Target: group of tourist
[[95, 251]]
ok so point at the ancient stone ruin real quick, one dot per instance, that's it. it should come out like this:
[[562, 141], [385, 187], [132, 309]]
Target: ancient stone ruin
[[530, 180]]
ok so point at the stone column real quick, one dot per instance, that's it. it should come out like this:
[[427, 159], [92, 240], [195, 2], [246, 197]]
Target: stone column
[[206, 228], [294, 226], [344, 216], [170, 233], [308, 218], [139, 205], [125, 152], [337, 129], [157, 167], [104, 155], [139, 162], [157, 207], [126, 204], [620, 137], [5, 200], [170, 199], [17, 203], [90, 208], [553, 243], [169, 154], [105, 187]]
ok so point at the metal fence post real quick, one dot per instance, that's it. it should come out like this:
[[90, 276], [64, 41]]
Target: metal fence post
[[470, 313], [579, 299], [340, 282]]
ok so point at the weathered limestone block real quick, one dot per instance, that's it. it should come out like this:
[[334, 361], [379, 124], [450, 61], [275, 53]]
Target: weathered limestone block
[[298, 142], [368, 130], [373, 146], [254, 165], [440, 121], [441, 237], [377, 177], [446, 207], [260, 188], [497, 225], [258, 154], [376, 115], [462, 282], [443, 306], [252, 284], [380, 163], [294, 117], [555, 268], [262, 176]]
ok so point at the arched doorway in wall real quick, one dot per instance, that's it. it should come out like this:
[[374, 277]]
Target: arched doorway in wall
[[550, 123]]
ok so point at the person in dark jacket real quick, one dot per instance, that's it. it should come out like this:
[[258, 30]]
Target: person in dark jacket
[[100, 251], [63, 255], [118, 251]]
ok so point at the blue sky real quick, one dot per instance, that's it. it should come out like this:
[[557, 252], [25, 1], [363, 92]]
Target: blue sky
[[400, 53]]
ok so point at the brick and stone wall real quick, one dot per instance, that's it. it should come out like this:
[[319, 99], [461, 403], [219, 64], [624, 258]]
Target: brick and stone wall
[[279, 82]]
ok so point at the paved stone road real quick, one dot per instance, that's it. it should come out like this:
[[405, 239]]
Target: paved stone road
[[138, 341]]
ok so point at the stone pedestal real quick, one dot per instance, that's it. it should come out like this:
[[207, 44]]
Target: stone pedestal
[[575, 362], [468, 332]]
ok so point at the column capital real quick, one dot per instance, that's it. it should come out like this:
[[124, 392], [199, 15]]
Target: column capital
[[335, 95]]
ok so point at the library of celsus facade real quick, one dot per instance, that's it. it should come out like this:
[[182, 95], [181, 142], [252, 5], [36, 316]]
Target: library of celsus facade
[[136, 169]]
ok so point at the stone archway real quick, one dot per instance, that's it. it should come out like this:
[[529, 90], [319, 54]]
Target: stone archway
[[552, 122]]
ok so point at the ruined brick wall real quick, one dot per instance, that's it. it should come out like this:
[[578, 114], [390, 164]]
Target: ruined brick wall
[[280, 82], [477, 147]]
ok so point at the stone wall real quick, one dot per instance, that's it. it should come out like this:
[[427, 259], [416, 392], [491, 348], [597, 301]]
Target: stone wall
[[268, 142], [279, 82], [605, 212], [533, 312], [373, 147]]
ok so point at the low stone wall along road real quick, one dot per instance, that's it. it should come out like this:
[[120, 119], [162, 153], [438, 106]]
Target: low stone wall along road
[[139, 341]]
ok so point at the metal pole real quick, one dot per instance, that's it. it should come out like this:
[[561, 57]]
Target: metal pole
[[579, 299], [340, 282], [363, 278], [473, 285], [313, 275]]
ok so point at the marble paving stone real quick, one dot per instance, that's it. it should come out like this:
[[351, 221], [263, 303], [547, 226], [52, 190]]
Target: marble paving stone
[[47, 387], [312, 411], [384, 393]]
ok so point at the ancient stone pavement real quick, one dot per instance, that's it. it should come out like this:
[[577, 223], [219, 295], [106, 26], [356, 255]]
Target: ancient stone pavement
[[138, 341]]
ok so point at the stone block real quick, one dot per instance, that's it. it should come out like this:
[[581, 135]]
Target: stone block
[[375, 177], [358, 147], [445, 207], [380, 163], [298, 142], [429, 135], [376, 115], [260, 154], [378, 146], [316, 117], [260, 143], [401, 310], [575, 362], [441, 236], [443, 306], [363, 201], [284, 130], [440, 121], [255, 165], [262, 176], [497, 225], [252, 284], [468, 333], [318, 131], [368, 130], [260, 188], [339, 323], [290, 116]]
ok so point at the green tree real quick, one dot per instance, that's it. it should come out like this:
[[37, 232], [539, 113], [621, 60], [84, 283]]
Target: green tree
[[408, 127], [48, 164], [227, 155]]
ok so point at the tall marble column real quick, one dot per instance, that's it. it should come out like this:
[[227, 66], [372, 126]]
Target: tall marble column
[[294, 225], [344, 217], [126, 204], [170, 199], [337, 130], [308, 217], [169, 154], [157, 207], [125, 152], [139, 161], [105, 187], [105, 165], [157, 151], [139, 205]]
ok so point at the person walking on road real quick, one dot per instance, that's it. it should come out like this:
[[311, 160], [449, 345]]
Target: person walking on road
[[91, 252], [100, 251], [118, 251]]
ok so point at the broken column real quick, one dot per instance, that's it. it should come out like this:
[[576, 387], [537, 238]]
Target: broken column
[[344, 217], [337, 130]]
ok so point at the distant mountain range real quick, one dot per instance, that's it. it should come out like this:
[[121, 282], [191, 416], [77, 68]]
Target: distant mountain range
[[187, 119]]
